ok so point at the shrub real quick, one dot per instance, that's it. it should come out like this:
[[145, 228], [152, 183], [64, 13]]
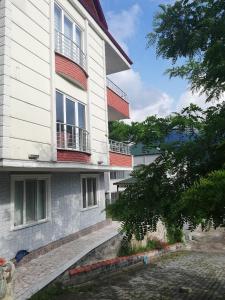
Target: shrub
[[174, 235], [153, 244]]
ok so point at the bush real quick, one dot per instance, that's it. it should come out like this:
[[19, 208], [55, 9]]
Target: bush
[[154, 244], [174, 235]]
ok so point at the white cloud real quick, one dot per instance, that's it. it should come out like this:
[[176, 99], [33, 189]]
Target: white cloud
[[123, 25], [144, 100], [196, 98]]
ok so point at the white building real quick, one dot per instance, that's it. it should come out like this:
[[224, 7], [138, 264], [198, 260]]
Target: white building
[[55, 104]]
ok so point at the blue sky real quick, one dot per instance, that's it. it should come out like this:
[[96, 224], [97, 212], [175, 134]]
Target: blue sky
[[150, 90]]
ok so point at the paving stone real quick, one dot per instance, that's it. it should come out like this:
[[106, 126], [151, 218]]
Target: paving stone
[[199, 273]]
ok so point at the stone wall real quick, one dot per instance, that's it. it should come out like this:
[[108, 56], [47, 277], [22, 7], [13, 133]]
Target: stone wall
[[159, 234]]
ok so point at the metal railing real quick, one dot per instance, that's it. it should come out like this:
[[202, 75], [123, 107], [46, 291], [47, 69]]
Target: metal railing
[[70, 49], [119, 147], [72, 137], [116, 89]]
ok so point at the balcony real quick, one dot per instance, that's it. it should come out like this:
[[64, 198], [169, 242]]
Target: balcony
[[119, 147], [118, 106], [70, 49], [70, 60], [120, 155], [73, 143]]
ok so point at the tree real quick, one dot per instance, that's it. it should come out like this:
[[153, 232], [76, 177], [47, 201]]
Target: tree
[[159, 189], [186, 183], [204, 201], [193, 32], [119, 131]]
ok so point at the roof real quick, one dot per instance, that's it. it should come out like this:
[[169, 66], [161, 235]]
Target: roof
[[126, 182], [94, 8], [140, 149]]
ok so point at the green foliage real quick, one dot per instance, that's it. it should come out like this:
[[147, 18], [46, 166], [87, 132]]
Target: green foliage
[[152, 244], [205, 200], [50, 292], [186, 183], [192, 34], [159, 188], [174, 234], [119, 131]]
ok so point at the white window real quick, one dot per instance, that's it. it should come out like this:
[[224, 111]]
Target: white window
[[69, 111], [30, 198], [89, 188], [65, 25], [71, 123]]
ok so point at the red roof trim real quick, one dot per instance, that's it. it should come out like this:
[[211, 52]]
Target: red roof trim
[[100, 19]]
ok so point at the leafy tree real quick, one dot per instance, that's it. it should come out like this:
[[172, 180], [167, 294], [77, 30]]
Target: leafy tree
[[204, 201], [186, 183], [192, 33], [159, 188], [119, 131]]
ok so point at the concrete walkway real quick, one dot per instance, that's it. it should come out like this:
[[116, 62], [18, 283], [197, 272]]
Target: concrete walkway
[[33, 276]]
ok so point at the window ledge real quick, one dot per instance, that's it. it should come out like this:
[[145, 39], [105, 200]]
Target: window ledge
[[16, 228], [89, 208]]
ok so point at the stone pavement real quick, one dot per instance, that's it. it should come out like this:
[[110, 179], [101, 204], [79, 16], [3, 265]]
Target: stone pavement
[[197, 274], [36, 274]]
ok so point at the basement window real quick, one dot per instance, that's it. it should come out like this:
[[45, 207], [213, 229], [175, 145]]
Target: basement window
[[30, 196], [89, 189]]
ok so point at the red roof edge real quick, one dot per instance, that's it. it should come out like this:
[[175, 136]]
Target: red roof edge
[[101, 13], [103, 24]]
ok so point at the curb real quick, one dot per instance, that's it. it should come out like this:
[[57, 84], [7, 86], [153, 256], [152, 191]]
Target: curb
[[88, 272]]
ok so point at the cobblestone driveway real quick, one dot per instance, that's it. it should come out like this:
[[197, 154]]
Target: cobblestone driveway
[[195, 274]]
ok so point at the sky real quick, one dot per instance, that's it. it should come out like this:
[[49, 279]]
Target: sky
[[150, 90]]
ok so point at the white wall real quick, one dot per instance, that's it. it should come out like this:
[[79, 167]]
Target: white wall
[[4, 76], [144, 159], [30, 57], [28, 111], [97, 97]]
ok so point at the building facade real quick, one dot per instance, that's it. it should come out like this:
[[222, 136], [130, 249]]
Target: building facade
[[55, 102]]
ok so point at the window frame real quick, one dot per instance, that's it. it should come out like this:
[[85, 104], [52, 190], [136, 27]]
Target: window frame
[[118, 175], [87, 176], [76, 102], [36, 177], [75, 25]]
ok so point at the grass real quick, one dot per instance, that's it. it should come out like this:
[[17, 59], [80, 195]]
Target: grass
[[154, 244], [57, 289]]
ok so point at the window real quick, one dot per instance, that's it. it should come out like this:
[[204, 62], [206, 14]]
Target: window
[[71, 123], [69, 111], [81, 116], [30, 199], [58, 18], [117, 175], [67, 27], [89, 191]]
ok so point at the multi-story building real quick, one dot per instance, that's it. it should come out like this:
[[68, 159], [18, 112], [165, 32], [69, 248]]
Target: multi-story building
[[55, 104]]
